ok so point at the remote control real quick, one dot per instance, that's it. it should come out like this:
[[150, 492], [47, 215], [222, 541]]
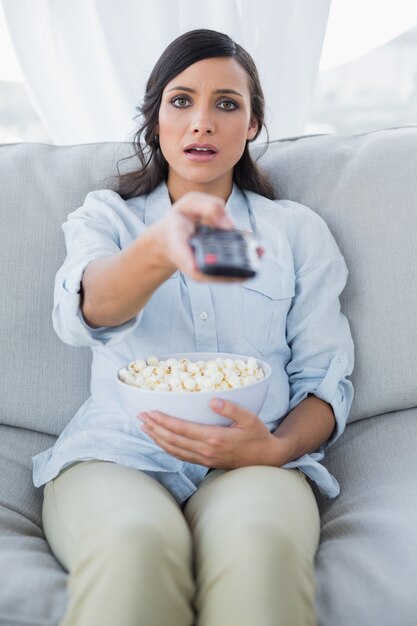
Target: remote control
[[225, 252]]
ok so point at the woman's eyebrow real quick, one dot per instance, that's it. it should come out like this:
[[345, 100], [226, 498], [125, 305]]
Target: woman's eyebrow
[[180, 87]]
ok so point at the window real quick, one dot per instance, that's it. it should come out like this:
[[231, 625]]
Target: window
[[378, 90]]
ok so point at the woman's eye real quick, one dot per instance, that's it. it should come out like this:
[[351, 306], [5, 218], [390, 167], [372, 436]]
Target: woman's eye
[[180, 99], [229, 102]]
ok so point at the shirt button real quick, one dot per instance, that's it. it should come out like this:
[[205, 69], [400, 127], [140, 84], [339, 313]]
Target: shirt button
[[341, 358], [203, 316]]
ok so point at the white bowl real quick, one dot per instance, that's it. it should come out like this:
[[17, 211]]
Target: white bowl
[[195, 406]]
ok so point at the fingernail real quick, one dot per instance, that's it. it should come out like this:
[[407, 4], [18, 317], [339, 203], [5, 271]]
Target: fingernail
[[219, 404]]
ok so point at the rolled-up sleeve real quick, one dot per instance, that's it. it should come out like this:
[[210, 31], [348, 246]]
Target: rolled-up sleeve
[[90, 232], [318, 333]]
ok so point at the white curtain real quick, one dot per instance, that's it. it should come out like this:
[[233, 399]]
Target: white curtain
[[85, 63], [356, 27]]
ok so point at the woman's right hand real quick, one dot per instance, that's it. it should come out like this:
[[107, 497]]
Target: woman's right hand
[[173, 231]]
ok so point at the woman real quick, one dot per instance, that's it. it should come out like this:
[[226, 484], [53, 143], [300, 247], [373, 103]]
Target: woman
[[148, 534]]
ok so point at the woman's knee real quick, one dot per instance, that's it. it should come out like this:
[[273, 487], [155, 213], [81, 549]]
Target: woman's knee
[[250, 532], [138, 537], [257, 506], [120, 510]]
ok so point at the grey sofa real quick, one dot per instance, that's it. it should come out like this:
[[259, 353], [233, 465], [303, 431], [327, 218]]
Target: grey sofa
[[365, 187]]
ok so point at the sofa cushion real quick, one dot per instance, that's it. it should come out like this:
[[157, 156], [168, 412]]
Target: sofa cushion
[[43, 381], [33, 588], [366, 569], [32, 583], [17, 491], [366, 566], [364, 186]]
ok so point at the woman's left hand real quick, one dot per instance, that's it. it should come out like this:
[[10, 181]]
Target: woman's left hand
[[247, 441]]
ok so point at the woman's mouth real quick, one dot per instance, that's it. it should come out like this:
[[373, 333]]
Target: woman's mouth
[[200, 155]]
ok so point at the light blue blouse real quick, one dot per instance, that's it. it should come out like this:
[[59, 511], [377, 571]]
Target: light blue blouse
[[288, 314]]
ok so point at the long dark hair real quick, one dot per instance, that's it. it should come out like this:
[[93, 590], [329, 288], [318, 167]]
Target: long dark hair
[[187, 49]]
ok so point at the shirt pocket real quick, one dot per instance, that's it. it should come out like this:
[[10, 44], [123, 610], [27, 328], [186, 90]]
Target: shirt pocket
[[266, 301]]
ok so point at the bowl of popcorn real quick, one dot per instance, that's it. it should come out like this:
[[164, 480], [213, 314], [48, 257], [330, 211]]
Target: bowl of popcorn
[[182, 385]]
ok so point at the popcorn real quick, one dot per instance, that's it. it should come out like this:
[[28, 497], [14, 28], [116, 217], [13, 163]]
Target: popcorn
[[189, 384], [240, 365], [192, 368], [147, 371], [212, 367], [187, 376]]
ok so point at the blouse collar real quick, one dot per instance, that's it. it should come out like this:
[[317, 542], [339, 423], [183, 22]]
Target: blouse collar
[[158, 203]]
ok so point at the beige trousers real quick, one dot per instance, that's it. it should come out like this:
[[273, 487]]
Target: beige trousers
[[239, 553]]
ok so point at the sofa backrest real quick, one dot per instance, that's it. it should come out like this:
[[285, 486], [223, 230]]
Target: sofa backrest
[[364, 186]]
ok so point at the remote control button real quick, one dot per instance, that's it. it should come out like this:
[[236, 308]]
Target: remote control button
[[210, 258]]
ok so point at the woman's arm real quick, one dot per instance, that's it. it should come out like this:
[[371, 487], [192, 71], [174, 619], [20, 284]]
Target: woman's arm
[[305, 429], [115, 288], [247, 441]]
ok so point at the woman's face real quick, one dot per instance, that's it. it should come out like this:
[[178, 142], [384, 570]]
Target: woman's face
[[195, 108]]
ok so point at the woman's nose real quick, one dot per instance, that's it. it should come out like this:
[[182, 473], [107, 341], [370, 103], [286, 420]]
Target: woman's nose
[[197, 130], [203, 123]]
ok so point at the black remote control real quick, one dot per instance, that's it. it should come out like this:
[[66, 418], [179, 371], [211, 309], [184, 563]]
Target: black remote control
[[221, 252]]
